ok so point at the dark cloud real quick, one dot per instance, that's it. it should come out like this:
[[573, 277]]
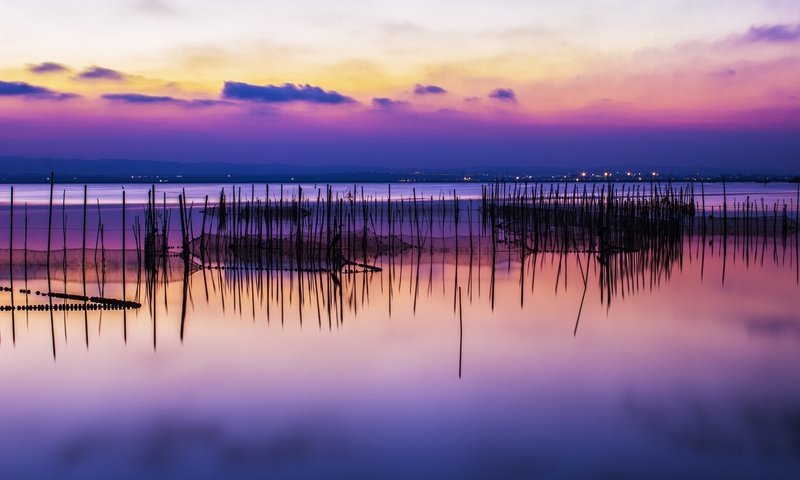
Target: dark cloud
[[101, 73], [206, 103], [429, 90], [772, 33], [383, 102], [22, 89], [47, 67], [505, 94], [141, 99], [287, 92]]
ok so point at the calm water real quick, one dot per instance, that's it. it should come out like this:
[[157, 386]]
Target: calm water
[[137, 193], [681, 368]]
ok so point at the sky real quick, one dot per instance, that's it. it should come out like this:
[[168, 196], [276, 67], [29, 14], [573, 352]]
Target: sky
[[418, 83]]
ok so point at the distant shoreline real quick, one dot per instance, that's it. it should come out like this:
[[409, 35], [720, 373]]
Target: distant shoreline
[[23, 170], [363, 180]]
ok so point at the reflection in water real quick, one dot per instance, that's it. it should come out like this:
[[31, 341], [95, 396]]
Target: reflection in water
[[449, 347], [418, 276]]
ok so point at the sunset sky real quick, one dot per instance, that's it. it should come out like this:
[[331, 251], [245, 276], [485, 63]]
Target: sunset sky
[[415, 83]]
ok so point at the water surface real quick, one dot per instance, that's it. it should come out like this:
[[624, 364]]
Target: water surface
[[441, 365]]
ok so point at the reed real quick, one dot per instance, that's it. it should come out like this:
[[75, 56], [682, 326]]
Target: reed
[[317, 231]]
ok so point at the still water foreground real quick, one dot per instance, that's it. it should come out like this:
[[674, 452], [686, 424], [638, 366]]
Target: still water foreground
[[444, 360]]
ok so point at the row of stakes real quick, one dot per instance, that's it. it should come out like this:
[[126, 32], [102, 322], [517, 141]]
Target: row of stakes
[[94, 303]]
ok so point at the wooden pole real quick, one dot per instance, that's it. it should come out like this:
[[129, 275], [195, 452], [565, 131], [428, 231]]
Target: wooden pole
[[124, 280], [11, 263], [49, 239], [49, 227], [83, 266]]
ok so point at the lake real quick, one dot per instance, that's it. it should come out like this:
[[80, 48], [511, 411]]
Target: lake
[[675, 356]]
